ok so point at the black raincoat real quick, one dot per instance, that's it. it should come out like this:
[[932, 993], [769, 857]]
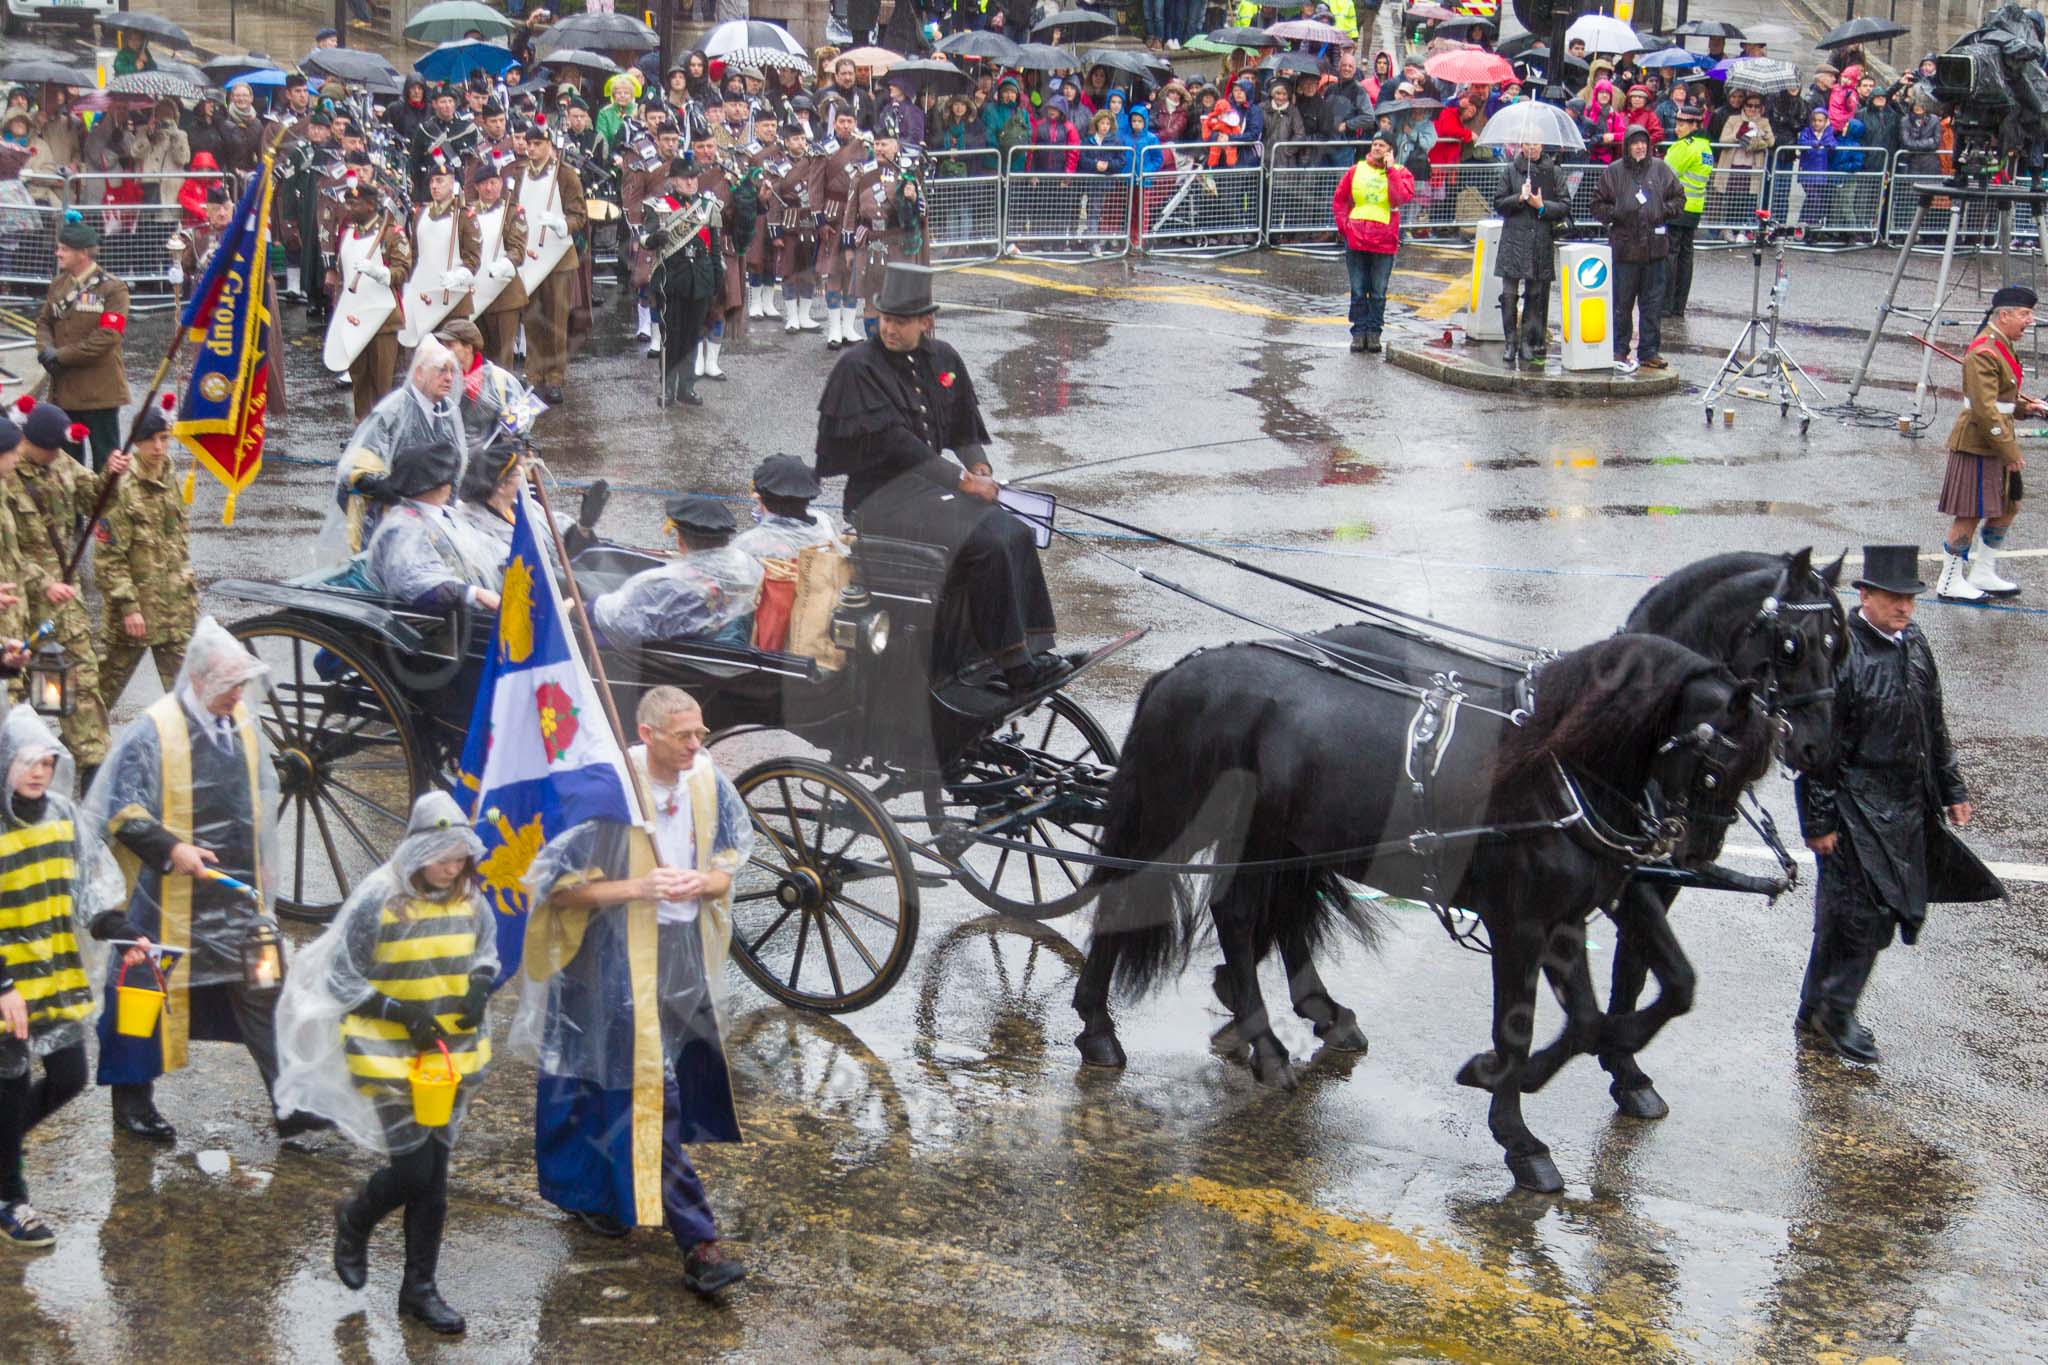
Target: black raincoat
[[1525, 251]]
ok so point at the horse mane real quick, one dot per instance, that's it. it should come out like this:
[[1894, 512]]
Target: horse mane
[[1604, 708], [1715, 596]]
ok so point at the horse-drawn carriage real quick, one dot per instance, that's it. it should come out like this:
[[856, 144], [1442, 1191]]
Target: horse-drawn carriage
[[909, 783]]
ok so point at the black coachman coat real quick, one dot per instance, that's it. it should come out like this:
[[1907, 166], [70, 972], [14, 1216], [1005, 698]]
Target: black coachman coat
[[1885, 786]]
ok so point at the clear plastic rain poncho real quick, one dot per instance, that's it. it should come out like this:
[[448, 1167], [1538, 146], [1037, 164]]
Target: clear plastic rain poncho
[[60, 877], [395, 938], [575, 1017], [774, 537], [404, 417], [490, 532], [195, 767], [427, 557], [497, 410], [698, 596]]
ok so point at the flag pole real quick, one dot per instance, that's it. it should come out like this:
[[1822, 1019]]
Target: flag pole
[[604, 686], [109, 481]]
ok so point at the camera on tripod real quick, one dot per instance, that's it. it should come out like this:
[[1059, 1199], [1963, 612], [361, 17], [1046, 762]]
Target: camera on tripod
[[1996, 91], [1770, 232]]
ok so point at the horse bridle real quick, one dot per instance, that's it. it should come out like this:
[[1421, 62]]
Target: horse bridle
[[1786, 645]]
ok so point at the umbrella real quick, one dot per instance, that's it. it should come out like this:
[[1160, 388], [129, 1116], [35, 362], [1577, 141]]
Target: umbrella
[[1470, 66], [449, 20], [1464, 22], [154, 85], [1868, 29], [269, 79], [1120, 59], [1309, 31], [455, 60], [182, 71], [1432, 14], [1293, 63], [151, 26], [1044, 57], [734, 34], [1528, 121], [768, 58], [876, 59], [1764, 75], [37, 71], [221, 70], [589, 61], [1604, 33], [1707, 28], [354, 65], [927, 74], [1070, 20], [598, 33], [980, 45], [1523, 44], [1418, 105], [1239, 36], [1779, 35], [1672, 56]]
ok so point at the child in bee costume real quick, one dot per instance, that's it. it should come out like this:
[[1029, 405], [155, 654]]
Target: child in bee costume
[[402, 973], [58, 878]]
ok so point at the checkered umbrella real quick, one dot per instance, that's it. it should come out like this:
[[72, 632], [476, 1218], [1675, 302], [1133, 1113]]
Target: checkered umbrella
[[153, 85], [767, 58], [1765, 75]]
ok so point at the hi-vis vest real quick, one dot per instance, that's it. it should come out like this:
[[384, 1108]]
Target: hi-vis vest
[[423, 954], [1370, 199], [38, 941]]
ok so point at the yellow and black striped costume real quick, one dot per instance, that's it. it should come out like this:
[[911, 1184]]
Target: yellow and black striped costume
[[424, 952], [38, 928]]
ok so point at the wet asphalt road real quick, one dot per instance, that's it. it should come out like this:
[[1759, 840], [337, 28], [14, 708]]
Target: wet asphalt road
[[935, 1177]]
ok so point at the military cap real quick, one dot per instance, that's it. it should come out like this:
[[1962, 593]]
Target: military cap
[[701, 513], [785, 476]]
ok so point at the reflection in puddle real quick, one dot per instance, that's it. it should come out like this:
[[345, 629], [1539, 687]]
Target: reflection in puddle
[[1731, 507]]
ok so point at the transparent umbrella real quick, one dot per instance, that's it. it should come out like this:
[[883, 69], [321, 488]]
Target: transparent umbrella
[[1604, 33], [1528, 121]]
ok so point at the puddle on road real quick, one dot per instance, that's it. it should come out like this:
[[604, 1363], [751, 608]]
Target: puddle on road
[[1730, 507]]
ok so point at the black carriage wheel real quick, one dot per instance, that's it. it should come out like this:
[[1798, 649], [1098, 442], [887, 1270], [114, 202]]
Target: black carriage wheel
[[824, 914], [1028, 883], [348, 761]]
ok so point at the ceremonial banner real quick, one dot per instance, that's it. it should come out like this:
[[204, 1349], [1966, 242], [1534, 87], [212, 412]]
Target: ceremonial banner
[[228, 398]]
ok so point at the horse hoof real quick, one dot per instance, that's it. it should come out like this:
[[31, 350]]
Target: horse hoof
[[1343, 1034], [1536, 1172], [1643, 1102], [1480, 1072], [1275, 1073], [1100, 1049]]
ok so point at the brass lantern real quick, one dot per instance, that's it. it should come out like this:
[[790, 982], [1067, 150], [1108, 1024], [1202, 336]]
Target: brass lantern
[[262, 958], [52, 677]]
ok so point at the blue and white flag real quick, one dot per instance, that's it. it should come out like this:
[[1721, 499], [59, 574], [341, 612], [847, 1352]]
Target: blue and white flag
[[541, 756]]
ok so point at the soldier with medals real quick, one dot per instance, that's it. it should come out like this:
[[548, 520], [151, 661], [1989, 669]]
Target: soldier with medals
[[844, 156], [447, 253], [722, 179], [551, 194], [791, 206], [501, 245], [371, 245], [886, 220], [763, 155], [79, 334], [682, 231], [642, 179]]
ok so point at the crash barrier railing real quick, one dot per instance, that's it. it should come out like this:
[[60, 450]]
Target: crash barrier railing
[[1839, 209], [1298, 196], [1200, 205], [134, 237], [1979, 226], [963, 205], [1049, 210]]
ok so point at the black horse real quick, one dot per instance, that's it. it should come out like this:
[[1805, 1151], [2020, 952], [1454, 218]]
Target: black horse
[[1379, 756], [1775, 621]]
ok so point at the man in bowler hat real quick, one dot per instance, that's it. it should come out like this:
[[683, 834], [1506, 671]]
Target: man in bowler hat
[[1878, 811]]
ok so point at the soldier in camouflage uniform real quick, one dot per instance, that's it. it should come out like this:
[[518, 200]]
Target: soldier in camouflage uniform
[[14, 622], [51, 494], [144, 568]]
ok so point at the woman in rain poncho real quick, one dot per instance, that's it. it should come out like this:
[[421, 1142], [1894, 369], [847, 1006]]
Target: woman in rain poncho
[[59, 880], [424, 409], [404, 971], [190, 787]]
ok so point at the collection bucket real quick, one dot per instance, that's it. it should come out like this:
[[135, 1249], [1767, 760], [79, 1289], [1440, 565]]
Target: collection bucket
[[137, 1008], [433, 1092]]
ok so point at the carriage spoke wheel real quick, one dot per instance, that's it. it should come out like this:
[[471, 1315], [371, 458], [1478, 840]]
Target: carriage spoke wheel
[[1019, 765], [824, 913], [348, 762]]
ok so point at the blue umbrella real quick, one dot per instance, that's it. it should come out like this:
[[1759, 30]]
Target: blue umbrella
[[270, 78], [1672, 56], [454, 61]]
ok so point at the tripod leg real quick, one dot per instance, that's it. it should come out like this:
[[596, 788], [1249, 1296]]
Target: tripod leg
[[1948, 257], [1891, 292]]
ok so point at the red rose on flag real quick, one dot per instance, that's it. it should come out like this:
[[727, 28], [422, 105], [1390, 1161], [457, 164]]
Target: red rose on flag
[[946, 380], [114, 322], [557, 719]]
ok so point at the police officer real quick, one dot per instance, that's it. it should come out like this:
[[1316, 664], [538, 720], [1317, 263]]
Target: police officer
[[79, 335], [682, 230]]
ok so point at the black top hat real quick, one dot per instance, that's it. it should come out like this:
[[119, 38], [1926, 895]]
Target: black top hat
[[1892, 568], [785, 476], [701, 514], [907, 291]]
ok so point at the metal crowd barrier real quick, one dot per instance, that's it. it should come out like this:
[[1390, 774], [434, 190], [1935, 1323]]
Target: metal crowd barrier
[[134, 238], [1457, 196], [1298, 197], [1840, 210], [1734, 193], [963, 205], [1062, 213], [1978, 230], [1194, 208]]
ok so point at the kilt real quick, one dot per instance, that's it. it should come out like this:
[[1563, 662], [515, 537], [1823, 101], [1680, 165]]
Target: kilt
[[1974, 486]]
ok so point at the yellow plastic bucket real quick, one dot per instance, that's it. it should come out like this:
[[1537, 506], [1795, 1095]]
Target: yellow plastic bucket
[[137, 1008], [433, 1094]]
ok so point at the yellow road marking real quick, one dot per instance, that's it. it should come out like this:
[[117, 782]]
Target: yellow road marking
[[1454, 298]]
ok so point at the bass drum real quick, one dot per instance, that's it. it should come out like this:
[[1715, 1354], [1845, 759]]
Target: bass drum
[[600, 210]]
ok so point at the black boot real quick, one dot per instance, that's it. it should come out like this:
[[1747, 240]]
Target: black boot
[[417, 1296], [135, 1112], [1536, 332], [1511, 332], [351, 1244]]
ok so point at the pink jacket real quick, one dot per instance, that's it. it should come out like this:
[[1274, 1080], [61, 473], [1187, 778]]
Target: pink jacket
[[1362, 234], [1842, 101]]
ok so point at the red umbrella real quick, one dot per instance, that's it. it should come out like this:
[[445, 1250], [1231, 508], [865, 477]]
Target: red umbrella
[[1470, 66]]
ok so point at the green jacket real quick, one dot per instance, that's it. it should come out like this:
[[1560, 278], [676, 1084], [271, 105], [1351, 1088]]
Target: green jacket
[[1691, 159]]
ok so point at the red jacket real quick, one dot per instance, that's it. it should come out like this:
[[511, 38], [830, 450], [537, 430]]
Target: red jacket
[[1363, 234], [1452, 138]]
